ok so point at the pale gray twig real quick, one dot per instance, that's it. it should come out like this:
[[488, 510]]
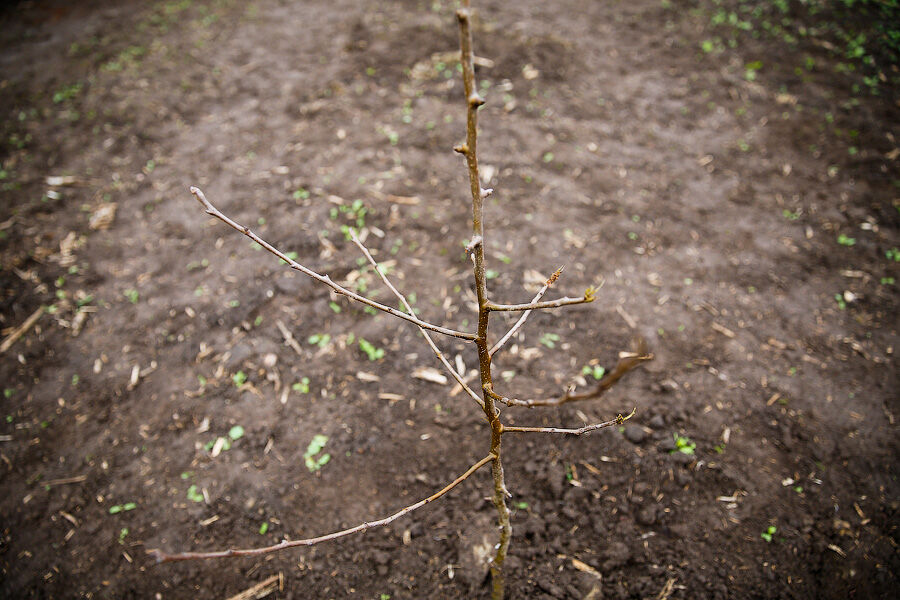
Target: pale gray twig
[[212, 210], [409, 309], [165, 557], [524, 317], [580, 431], [539, 305]]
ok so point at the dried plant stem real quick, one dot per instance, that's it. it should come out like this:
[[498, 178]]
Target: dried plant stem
[[165, 557], [627, 362], [580, 431], [524, 317], [21, 329], [538, 305], [212, 210], [409, 309]]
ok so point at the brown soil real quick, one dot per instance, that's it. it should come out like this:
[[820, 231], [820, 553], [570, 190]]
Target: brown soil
[[711, 205]]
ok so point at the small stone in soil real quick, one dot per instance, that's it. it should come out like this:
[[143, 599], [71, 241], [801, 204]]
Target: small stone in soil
[[635, 433]]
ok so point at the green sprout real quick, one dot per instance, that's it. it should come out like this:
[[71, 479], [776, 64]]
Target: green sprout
[[315, 460], [371, 351], [549, 339], [239, 378], [842, 304], [768, 533], [301, 386], [132, 295], [319, 339], [116, 509], [845, 240], [683, 445], [194, 495], [595, 371]]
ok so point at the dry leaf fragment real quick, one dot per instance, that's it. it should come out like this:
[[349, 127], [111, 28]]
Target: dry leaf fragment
[[103, 216], [586, 568], [61, 180], [67, 248], [430, 374]]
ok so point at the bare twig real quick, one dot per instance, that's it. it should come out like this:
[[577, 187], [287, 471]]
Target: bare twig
[[627, 362], [162, 557], [580, 431], [289, 339], [21, 330], [212, 210], [66, 480], [409, 309], [539, 305], [261, 589], [524, 317]]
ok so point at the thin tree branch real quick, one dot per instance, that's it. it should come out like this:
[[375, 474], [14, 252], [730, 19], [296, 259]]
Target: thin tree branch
[[212, 210], [162, 557], [512, 330], [539, 305], [409, 309], [627, 362], [587, 428]]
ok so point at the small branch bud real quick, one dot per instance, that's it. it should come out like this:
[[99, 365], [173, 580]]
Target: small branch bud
[[470, 247], [486, 192], [555, 276], [475, 100], [461, 148]]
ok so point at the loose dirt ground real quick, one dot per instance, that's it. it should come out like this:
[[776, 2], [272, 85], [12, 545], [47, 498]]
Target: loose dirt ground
[[717, 207]]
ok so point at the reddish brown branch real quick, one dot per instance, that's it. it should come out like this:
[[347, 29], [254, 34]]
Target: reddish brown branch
[[212, 210], [627, 362], [162, 557], [470, 150]]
